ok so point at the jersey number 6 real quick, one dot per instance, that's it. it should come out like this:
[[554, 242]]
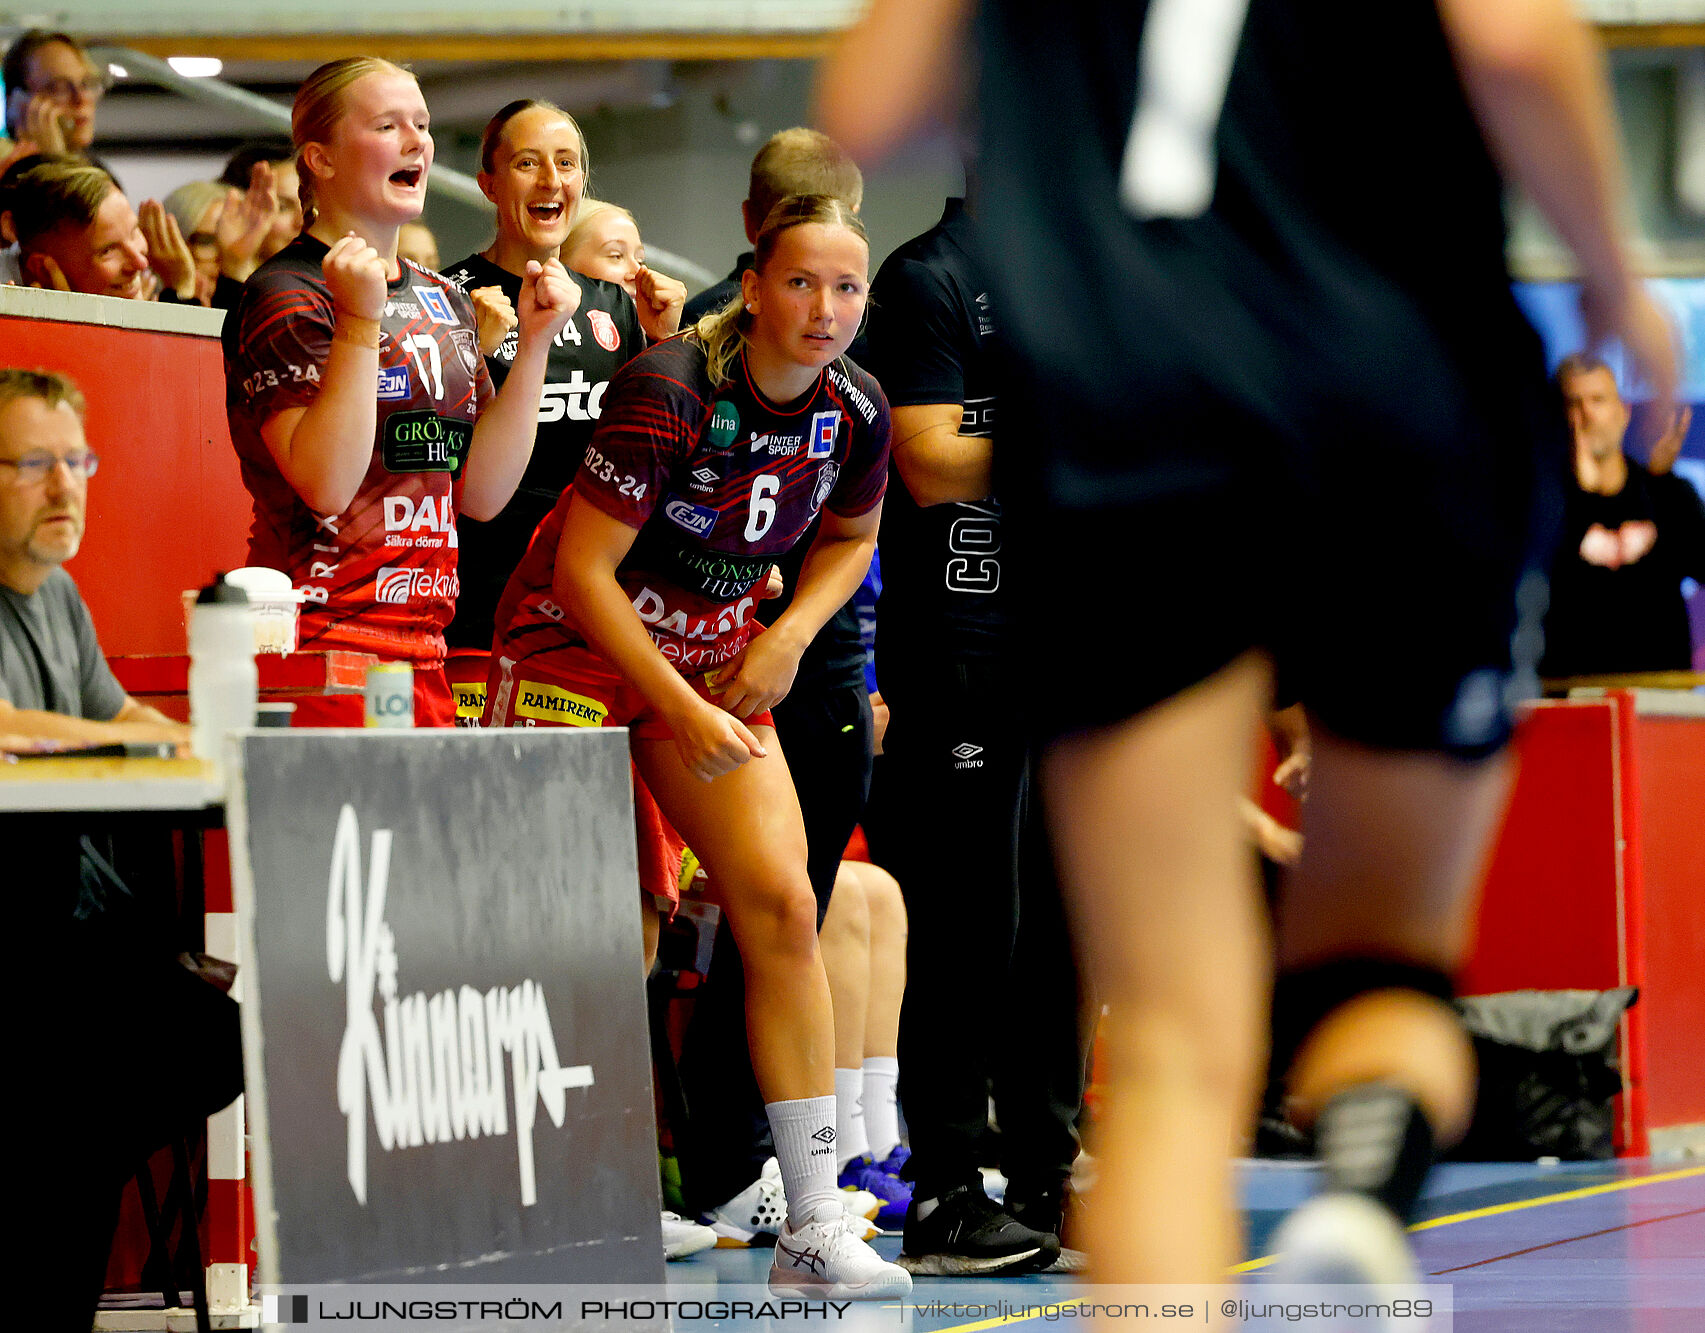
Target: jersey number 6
[[763, 511]]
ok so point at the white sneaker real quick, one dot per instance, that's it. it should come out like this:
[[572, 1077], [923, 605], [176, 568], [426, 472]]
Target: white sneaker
[[681, 1237], [827, 1260], [1344, 1238], [752, 1216]]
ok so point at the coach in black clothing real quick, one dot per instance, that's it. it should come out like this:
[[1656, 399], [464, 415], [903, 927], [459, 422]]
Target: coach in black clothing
[[991, 993]]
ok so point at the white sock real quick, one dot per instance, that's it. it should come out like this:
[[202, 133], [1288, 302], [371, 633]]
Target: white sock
[[849, 1117], [804, 1131], [881, 1113]]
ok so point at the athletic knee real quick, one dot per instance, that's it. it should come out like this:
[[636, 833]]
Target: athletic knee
[[883, 902], [1215, 1049], [774, 916], [848, 918]]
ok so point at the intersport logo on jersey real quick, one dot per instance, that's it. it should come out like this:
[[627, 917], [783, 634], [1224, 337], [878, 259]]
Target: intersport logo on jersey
[[395, 587]]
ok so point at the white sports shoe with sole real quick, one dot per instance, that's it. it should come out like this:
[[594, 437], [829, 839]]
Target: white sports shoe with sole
[[1344, 1239], [682, 1238], [752, 1216], [827, 1260]]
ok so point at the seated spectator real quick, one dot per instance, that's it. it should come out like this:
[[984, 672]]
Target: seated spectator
[[196, 208], [271, 166], [54, 682], [1629, 538], [76, 231], [52, 89], [134, 1009], [604, 243], [224, 230], [416, 242]]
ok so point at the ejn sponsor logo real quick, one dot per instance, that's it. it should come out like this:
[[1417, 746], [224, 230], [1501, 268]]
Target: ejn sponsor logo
[[435, 1073]]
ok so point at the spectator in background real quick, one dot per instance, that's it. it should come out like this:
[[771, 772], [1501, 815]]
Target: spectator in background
[[223, 228], [1629, 538], [604, 243], [52, 90], [196, 208], [795, 161], [271, 167], [133, 1006], [76, 231], [415, 242], [54, 682]]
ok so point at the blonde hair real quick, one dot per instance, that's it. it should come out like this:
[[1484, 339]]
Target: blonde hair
[[725, 332], [318, 107], [802, 161], [48, 189], [585, 216], [189, 202]]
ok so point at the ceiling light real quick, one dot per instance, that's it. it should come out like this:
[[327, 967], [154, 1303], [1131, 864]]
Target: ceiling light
[[196, 67]]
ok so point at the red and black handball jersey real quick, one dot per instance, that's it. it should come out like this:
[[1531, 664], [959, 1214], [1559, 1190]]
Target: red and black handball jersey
[[720, 483], [381, 576]]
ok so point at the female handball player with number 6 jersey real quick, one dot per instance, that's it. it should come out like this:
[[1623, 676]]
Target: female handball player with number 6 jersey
[[634, 607], [359, 405]]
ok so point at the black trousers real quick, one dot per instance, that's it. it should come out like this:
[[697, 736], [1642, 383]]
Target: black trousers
[[825, 732], [992, 996]]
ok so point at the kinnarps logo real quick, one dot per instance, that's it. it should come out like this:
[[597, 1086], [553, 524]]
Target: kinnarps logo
[[393, 384], [696, 519]]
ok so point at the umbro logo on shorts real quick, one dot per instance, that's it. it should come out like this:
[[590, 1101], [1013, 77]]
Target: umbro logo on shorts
[[967, 751]]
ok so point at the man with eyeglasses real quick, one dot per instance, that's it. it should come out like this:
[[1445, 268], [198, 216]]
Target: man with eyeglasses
[[55, 684], [52, 89]]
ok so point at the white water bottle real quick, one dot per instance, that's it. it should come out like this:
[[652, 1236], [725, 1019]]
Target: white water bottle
[[223, 683]]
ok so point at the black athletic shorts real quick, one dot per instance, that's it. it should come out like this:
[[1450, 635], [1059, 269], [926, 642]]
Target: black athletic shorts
[[1388, 549]]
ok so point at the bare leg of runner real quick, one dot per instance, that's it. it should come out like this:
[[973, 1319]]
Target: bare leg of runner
[[1156, 863], [1393, 850]]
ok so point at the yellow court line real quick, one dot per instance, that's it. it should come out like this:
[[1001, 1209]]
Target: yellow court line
[[1495, 1209], [1491, 1211]]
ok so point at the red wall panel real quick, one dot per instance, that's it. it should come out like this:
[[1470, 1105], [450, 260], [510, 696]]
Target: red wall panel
[[167, 508], [1670, 752], [1548, 916]]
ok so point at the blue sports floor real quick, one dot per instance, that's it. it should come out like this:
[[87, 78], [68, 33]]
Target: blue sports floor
[[1611, 1247]]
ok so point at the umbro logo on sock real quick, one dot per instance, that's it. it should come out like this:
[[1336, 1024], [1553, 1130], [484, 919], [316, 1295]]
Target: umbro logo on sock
[[825, 1135]]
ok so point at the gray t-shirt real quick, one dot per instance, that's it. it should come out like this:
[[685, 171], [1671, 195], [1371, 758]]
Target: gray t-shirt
[[50, 659]]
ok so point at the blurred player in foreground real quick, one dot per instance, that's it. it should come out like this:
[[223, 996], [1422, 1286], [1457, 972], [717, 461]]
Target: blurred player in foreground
[[1256, 310]]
